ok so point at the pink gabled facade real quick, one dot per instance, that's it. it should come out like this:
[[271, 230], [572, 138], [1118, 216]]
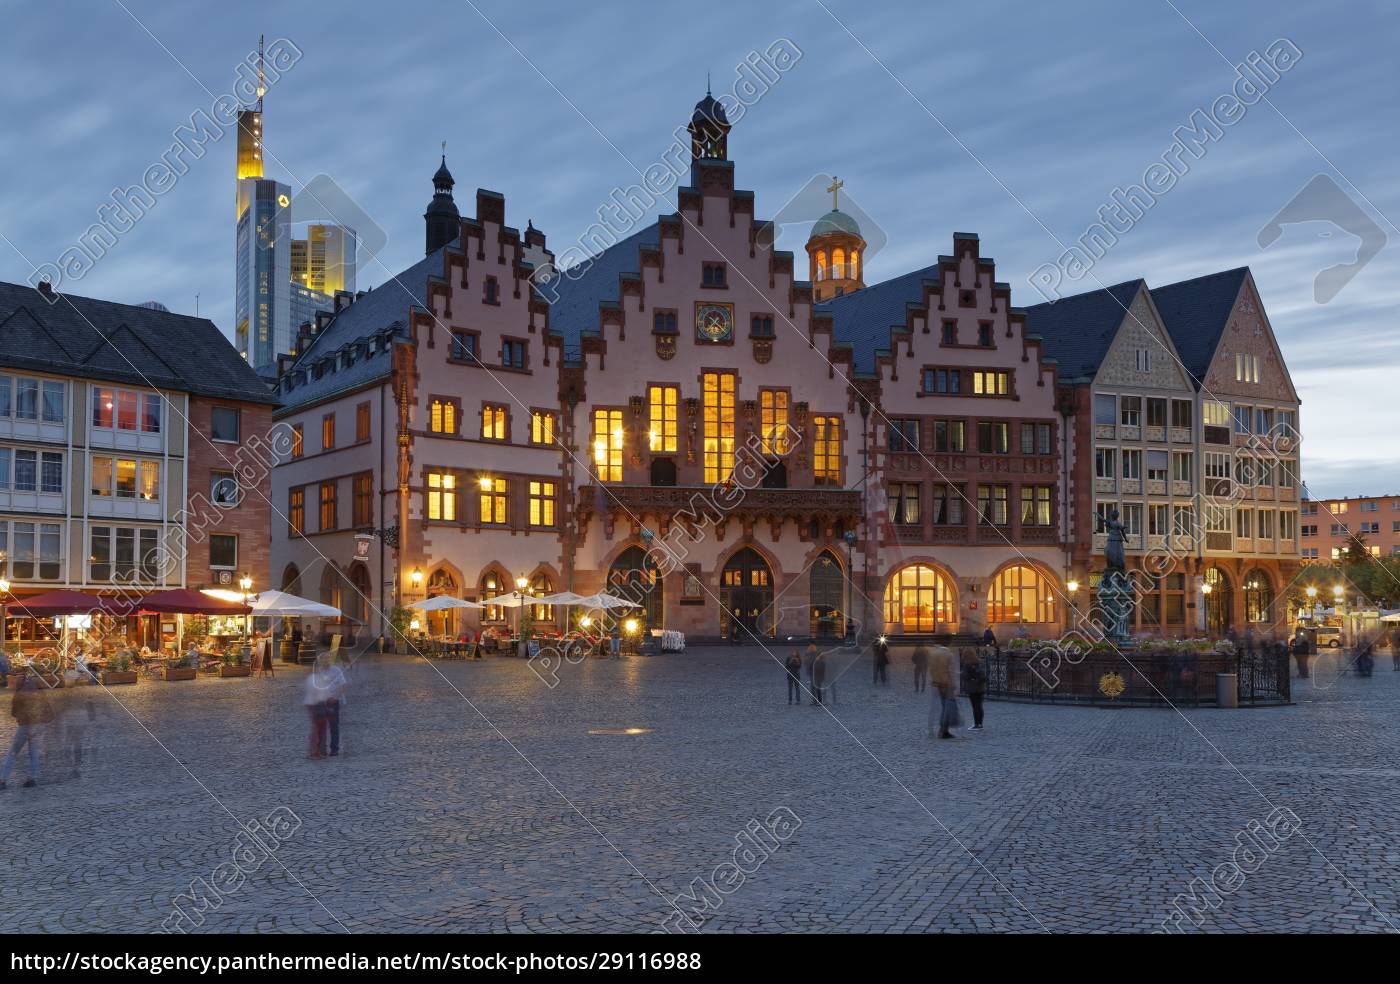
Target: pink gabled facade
[[679, 420]]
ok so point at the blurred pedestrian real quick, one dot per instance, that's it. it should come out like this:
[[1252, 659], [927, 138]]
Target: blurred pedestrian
[[920, 668], [325, 686], [810, 659], [818, 677], [881, 652], [975, 681], [31, 710], [793, 667], [989, 638], [943, 714], [1300, 653]]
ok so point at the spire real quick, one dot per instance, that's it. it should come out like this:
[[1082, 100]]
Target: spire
[[262, 76], [443, 221]]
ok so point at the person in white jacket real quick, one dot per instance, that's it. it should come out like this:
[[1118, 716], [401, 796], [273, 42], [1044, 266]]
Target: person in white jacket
[[325, 692]]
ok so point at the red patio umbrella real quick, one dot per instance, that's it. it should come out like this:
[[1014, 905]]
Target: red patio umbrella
[[182, 601]]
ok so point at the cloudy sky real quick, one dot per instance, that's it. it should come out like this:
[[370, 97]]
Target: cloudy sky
[[1013, 120]]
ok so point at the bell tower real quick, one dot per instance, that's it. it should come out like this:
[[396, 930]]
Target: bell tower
[[835, 251], [442, 220], [709, 130]]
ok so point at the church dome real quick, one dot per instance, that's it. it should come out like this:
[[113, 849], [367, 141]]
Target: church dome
[[835, 221]]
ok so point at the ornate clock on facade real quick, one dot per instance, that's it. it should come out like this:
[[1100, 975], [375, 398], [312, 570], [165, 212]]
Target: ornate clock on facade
[[714, 322]]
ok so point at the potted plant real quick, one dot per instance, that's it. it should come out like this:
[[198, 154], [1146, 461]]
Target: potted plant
[[399, 618], [178, 669], [230, 665], [118, 669]]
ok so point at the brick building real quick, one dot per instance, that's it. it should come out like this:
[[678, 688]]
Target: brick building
[[114, 471]]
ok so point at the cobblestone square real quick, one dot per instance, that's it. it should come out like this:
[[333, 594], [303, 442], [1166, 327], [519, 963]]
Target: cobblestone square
[[472, 797]]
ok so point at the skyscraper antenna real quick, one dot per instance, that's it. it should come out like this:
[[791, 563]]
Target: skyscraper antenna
[[262, 79]]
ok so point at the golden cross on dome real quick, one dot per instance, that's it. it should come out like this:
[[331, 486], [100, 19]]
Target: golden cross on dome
[[836, 185]]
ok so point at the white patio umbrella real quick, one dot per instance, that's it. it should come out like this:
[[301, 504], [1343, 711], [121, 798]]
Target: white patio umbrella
[[604, 600], [562, 598], [442, 603], [278, 604]]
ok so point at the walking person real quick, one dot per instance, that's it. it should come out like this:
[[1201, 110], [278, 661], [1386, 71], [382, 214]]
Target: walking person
[[320, 689], [31, 710], [615, 641], [793, 668], [882, 661], [989, 638], [920, 668], [1300, 653], [975, 681], [943, 708], [810, 659], [818, 677]]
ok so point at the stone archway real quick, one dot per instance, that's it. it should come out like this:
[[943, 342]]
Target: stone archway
[[826, 597], [746, 597]]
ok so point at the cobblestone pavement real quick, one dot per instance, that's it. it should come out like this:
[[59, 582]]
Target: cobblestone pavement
[[510, 816]]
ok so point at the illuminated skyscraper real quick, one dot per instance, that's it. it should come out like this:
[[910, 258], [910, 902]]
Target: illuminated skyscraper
[[279, 282], [262, 289]]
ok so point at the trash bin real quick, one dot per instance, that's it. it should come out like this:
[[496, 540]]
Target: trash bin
[[1227, 690]]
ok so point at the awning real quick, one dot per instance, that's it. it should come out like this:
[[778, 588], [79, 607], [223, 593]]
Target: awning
[[65, 602], [182, 601]]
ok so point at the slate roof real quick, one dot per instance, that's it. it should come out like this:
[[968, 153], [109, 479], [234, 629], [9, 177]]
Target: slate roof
[[123, 343], [574, 308], [384, 309], [1196, 313], [1077, 331], [863, 319]]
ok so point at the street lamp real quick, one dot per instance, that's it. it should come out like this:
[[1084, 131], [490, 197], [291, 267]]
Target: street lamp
[[416, 577], [246, 583], [4, 610], [521, 583], [631, 627], [1312, 591], [850, 628]]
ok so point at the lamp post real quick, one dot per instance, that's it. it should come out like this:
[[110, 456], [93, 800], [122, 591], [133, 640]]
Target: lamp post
[[849, 629], [246, 583], [4, 611], [521, 583]]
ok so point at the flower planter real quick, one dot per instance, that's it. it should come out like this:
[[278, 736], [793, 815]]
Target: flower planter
[[111, 678], [235, 671], [177, 673]]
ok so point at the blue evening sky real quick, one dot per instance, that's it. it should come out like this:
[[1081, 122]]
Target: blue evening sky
[[1061, 102]]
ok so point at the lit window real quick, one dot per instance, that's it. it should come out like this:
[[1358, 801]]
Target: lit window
[[719, 426], [663, 401], [442, 496], [773, 410], [988, 383], [607, 444], [826, 453], [1020, 594], [541, 503], [493, 422], [494, 493], [442, 417], [541, 427]]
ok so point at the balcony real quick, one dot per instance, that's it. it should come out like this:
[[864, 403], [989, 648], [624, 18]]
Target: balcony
[[696, 503]]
